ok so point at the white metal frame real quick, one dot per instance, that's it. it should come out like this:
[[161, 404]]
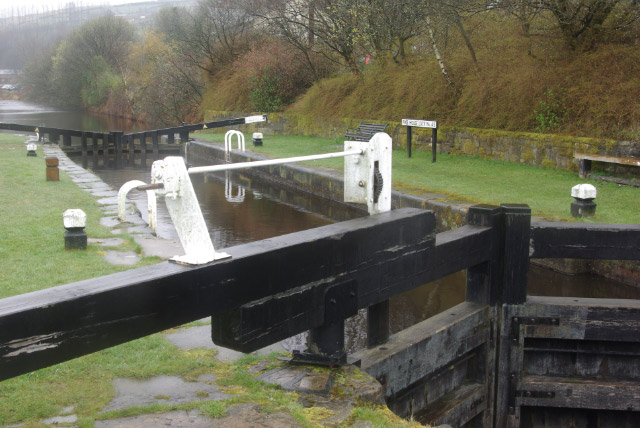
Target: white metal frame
[[228, 143], [151, 203], [364, 161]]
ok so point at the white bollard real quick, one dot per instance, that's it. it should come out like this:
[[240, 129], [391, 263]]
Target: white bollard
[[583, 206], [74, 221]]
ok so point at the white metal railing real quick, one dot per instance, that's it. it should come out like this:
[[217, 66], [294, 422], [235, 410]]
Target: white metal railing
[[228, 139], [367, 179], [268, 162]]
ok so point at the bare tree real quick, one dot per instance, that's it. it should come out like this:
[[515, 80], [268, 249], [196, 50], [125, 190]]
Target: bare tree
[[582, 23], [213, 34]]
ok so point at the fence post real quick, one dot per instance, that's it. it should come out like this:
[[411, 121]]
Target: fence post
[[434, 144], [328, 339], [483, 286], [66, 140], [154, 141], [83, 145], [517, 232], [171, 136], [184, 133], [94, 149], [516, 253], [484, 280], [117, 142], [105, 150], [377, 324]]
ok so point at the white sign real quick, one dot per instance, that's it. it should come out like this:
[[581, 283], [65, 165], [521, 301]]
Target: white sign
[[253, 119], [420, 123]]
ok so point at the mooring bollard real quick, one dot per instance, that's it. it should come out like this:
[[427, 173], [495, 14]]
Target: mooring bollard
[[53, 174], [31, 149], [583, 206], [75, 238], [257, 138]]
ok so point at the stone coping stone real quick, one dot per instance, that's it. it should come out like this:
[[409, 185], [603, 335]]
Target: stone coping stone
[[163, 390]]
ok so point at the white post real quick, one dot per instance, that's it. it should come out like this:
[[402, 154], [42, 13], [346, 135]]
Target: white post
[[367, 178], [184, 210]]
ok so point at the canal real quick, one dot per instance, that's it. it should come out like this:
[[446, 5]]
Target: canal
[[239, 210]]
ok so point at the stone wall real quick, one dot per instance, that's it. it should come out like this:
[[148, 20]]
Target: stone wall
[[546, 150]]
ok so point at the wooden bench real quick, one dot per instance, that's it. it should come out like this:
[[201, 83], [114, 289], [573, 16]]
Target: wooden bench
[[365, 131], [584, 162]]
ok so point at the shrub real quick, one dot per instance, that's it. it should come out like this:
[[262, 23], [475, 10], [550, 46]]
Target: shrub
[[276, 75], [551, 110]]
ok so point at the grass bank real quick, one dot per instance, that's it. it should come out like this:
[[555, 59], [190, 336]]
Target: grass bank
[[32, 257], [546, 191]]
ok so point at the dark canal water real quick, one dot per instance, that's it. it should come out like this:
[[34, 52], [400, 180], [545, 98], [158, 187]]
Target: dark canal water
[[239, 210]]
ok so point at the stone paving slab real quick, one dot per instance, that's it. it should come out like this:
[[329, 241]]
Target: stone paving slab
[[124, 258], [133, 230], [104, 193], [191, 419], [106, 242], [162, 390], [94, 185], [113, 200], [153, 246], [241, 416], [109, 221], [85, 178]]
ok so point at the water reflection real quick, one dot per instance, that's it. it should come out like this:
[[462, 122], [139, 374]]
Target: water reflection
[[26, 113]]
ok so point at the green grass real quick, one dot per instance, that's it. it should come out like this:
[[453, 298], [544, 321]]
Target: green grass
[[32, 257], [475, 180]]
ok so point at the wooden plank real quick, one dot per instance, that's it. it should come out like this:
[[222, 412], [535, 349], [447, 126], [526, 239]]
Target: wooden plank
[[459, 249], [260, 323], [517, 229], [456, 408], [602, 394], [38, 330], [509, 358], [420, 350], [608, 159], [582, 358], [585, 241], [583, 319], [428, 390]]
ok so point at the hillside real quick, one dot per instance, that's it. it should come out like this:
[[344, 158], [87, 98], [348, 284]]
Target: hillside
[[519, 83]]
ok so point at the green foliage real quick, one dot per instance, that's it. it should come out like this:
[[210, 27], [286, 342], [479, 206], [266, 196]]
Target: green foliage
[[98, 82], [263, 93], [551, 110], [76, 76]]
